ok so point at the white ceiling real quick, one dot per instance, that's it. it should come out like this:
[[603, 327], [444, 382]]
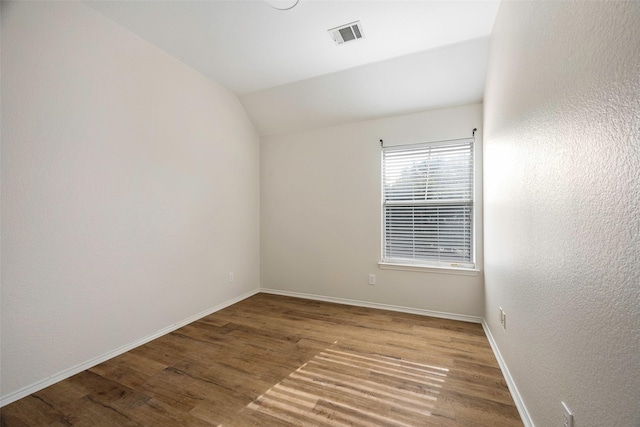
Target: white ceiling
[[289, 74]]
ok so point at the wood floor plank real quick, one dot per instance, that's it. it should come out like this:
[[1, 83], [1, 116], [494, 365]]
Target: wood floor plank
[[32, 411], [279, 362]]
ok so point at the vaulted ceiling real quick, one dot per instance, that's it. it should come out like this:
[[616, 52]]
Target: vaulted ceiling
[[290, 75]]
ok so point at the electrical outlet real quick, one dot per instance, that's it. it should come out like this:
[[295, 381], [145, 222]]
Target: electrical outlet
[[231, 278], [501, 314], [567, 416], [372, 279], [504, 320]]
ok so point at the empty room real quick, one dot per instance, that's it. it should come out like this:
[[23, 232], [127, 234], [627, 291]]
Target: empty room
[[320, 213]]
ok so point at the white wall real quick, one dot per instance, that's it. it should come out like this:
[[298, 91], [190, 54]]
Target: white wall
[[562, 206], [130, 188], [321, 213]]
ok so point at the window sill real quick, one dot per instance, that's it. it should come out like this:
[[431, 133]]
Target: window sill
[[429, 269]]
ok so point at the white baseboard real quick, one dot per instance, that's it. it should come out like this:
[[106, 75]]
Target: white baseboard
[[515, 394], [46, 382], [443, 315]]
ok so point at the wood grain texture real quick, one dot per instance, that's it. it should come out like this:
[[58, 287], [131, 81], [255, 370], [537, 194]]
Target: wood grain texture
[[280, 361]]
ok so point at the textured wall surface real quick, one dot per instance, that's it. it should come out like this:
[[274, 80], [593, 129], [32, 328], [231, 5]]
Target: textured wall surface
[[562, 206], [129, 190], [321, 213]]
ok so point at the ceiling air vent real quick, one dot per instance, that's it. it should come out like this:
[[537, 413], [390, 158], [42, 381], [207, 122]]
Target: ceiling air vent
[[346, 33]]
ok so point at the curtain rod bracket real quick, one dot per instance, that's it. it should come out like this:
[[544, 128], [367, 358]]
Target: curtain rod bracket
[[474, 132], [381, 143]]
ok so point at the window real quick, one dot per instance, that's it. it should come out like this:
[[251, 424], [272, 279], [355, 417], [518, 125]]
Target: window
[[428, 204]]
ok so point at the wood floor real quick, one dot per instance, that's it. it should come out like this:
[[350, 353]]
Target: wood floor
[[279, 361]]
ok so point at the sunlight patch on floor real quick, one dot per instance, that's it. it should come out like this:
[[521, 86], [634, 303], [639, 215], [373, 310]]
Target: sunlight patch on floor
[[343, 387]]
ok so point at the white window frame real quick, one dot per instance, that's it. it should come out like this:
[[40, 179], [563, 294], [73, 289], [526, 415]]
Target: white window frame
[[467, 267]]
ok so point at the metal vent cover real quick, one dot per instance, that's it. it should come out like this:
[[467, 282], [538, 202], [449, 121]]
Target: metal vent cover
[[347, 33]]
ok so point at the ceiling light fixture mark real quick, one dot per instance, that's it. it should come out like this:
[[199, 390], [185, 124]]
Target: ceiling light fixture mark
[[282, 4]]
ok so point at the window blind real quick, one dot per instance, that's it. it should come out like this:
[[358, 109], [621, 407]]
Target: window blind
[[428, 203]]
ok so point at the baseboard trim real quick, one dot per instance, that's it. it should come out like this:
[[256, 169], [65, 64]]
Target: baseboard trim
[[443, 315], [515, 394], [39, 385]]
